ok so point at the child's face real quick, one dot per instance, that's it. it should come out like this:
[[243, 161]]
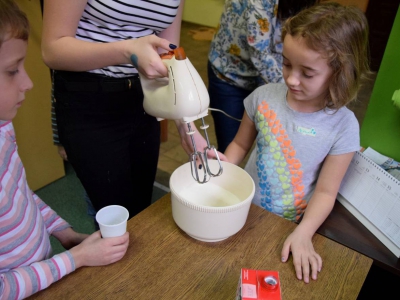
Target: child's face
[[307, 75], [14, 81]]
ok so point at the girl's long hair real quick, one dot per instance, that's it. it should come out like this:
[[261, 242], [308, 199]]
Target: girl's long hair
[[340, 33]]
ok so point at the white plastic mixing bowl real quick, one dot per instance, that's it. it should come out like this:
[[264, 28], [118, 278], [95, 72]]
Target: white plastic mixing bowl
[[215, 210]]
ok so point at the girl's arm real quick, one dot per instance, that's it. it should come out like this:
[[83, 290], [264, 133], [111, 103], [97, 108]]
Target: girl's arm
[[21, 282], [243, 141], [299, 242], [62, 51], [52, 221]]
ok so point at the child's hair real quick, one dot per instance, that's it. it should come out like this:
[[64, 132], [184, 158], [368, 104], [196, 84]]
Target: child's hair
[[13, 22], [340, 33]]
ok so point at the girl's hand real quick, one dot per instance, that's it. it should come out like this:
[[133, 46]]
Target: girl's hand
[[305, 260], [97, 251]]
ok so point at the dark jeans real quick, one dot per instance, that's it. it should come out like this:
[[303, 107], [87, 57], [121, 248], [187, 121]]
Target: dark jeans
[[112, 144], [229, 99]]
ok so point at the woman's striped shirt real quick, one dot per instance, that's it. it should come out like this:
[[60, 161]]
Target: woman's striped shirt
[[105, 21]]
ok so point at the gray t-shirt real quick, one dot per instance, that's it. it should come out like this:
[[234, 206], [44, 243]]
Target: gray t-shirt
[[291, 147]]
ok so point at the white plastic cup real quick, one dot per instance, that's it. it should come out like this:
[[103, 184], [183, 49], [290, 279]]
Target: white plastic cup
[[112, 220]]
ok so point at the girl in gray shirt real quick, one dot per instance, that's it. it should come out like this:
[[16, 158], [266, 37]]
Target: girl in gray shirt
[[305, 136]]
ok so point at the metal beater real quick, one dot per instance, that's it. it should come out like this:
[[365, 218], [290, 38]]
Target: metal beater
[[202, 157]]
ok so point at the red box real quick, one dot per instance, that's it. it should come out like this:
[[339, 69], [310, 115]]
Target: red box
[[259, 285]]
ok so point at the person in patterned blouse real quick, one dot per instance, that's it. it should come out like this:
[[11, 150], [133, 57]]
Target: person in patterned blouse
[[246, 52]]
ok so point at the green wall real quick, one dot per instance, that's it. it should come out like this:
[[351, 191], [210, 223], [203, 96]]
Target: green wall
[[381, 126]]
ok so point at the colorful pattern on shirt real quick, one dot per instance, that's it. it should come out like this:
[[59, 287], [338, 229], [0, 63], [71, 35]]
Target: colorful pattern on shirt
[[278, 169], [291, 147]]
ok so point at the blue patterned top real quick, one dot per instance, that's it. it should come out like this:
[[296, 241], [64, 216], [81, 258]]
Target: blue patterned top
[[246, 50]]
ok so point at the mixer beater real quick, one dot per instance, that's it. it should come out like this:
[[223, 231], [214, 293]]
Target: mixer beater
[[182, 96], [202, 158]]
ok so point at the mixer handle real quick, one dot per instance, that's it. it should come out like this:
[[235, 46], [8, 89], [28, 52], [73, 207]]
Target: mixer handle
[[179, 54]]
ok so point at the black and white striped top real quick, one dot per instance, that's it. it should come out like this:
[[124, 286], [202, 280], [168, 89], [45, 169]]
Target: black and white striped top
[[106, 21]]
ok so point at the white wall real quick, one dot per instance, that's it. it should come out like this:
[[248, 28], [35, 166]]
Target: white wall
[[203, 12]]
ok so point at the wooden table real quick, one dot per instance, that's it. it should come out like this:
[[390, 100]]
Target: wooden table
[[162, 262], [344, 228]]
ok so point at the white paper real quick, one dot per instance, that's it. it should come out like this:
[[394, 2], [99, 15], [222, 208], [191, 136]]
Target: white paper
[[375, 194]]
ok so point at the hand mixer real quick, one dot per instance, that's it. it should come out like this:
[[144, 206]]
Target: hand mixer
[[182, 96]]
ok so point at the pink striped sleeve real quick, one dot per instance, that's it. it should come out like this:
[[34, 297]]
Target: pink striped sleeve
[[24, 281], [52, 221]]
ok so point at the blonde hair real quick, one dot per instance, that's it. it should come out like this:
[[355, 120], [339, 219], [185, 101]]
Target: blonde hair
[[340, 33], [13, 22]]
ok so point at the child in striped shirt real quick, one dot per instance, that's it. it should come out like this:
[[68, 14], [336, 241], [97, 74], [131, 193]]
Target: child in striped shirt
[[26, 222]]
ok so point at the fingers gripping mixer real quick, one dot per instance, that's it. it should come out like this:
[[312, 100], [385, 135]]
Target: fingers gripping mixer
[[182, 96]]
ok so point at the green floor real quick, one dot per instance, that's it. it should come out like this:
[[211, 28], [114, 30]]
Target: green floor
[[66, 197]]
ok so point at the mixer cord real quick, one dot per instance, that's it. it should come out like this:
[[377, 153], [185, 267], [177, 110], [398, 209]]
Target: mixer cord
[[229, 116]]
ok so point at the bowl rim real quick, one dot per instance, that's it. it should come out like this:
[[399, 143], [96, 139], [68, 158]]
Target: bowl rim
[[213, 209]]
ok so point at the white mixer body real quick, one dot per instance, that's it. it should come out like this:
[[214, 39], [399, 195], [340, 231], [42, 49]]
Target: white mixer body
[[182, 96]]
